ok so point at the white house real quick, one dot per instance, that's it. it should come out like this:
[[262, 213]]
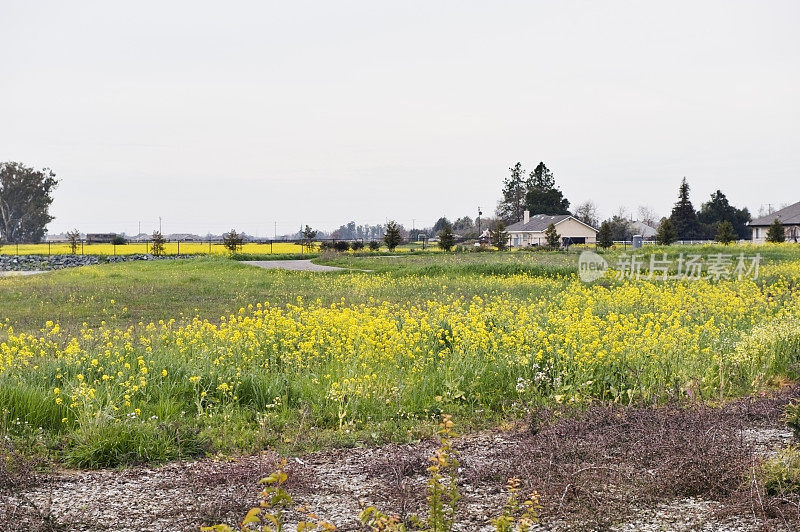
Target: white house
[[789, 217], [530, 231]]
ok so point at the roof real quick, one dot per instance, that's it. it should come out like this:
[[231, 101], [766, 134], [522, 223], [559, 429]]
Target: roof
[[787, 215], [539, 222], [641, 228]]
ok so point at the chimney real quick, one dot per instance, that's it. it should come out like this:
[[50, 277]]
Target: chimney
[[526, 216]]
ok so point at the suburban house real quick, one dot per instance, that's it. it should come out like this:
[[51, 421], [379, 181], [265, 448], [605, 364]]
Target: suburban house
[[789, 217], [640, 228], [530, 231]]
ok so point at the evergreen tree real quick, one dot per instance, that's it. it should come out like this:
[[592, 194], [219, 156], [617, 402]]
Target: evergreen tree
[[393, 236], [725, 233], [232, 241], [717, 210], [604, 235], [446, 237], [440, 224], [513, 203], [776, 232], [684, 218], [543, 197], [620, 228], [666, 233], [552, 237], [498, 236], [464, 223]]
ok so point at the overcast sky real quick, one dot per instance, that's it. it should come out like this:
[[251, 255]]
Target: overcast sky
[[238, 114]]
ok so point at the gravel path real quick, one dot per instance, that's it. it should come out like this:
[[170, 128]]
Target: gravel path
[[298, 265], [336, 483], [21, 272]]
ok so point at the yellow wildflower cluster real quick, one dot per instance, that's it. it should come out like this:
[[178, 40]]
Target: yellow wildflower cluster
[[564, 340]]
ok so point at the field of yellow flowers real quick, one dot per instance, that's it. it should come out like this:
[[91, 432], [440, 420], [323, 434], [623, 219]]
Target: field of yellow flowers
[[132, 248], [382, 354]]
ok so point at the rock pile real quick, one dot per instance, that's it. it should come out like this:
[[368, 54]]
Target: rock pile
[[57, 262]]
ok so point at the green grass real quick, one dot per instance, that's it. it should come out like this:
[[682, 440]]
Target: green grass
[[286, 409]]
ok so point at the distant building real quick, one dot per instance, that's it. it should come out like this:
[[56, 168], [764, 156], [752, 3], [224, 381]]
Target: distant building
[[184, 237], [789, 217], [641, 228], [530, 231], [100, 238]]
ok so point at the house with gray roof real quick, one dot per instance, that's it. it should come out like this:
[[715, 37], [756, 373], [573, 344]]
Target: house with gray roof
[[788, 216], [530, 231]]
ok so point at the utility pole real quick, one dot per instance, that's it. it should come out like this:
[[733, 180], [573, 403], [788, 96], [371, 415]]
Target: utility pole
[[159, 224], [479, 221], [275, 235]]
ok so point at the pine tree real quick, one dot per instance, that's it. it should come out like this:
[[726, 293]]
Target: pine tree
[[683, 217], [776, 232], [604, 235], [552, 237], [392, 237], [498, 236], [666, 233], [446, 237], [543, 197], [513, 203], [232, 241], [725, 233], [718, 210]]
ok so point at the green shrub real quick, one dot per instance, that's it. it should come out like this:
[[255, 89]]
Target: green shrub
[[781, 474], [112, 443], [792, 417]]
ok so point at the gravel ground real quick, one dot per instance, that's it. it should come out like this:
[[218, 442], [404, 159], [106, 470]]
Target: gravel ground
[[336, 483]]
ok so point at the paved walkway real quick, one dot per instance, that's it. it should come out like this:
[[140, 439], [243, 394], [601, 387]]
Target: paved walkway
[[14, 273], [300, 265]]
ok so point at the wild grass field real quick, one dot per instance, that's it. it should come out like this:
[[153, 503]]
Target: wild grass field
[[148, 362]]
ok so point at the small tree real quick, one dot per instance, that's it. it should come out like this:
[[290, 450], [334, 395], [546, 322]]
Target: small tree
[[341, 245], [776, 233], [446, 237], [357, 245], [157, 246], [666, 233], [498, 237], [552, 236], [393, 237], [308, 238], [232, 241], [374, 245], [725, 233], [74, 240], [605, 237]]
